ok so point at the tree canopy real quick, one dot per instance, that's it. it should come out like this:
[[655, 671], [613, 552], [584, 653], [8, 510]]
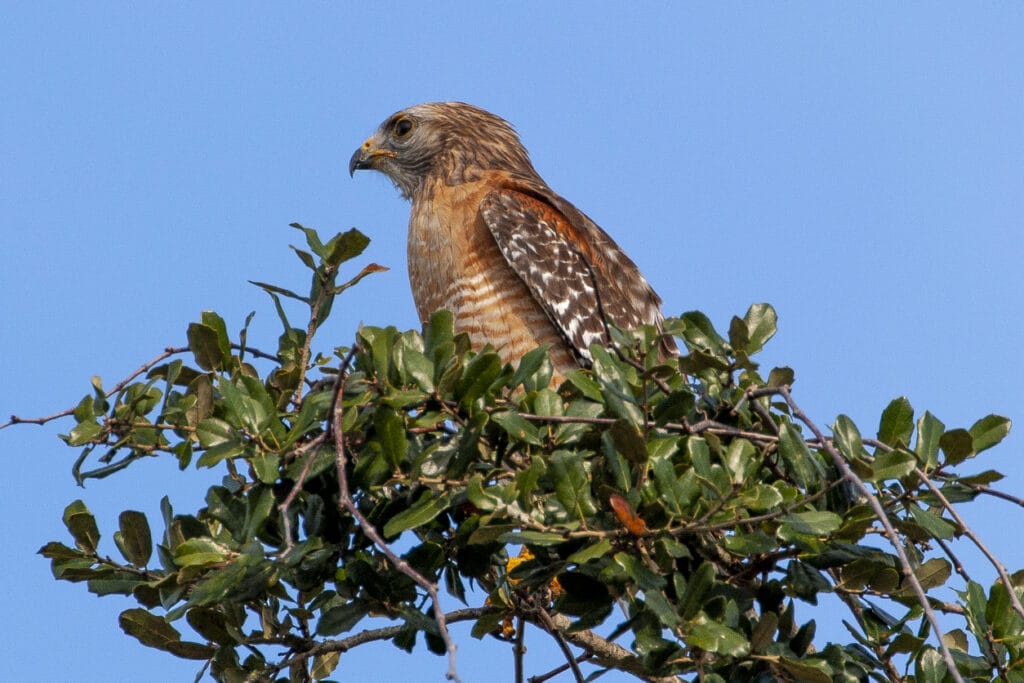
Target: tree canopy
[[663, 517]]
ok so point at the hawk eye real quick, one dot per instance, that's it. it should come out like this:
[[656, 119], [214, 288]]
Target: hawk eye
[[402, 127]]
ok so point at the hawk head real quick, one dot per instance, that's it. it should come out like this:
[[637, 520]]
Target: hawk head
[[449, 141]]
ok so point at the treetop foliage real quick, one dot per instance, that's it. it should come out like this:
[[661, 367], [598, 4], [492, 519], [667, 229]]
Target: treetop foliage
[[662, 517]]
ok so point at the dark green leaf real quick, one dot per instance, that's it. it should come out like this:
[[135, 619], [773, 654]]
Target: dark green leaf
[[934, 525], [517, 427], [530, 537], [341, 619], [628, 441], [345, 246], [761, 321], [82, 525], [892, 465], [155, 632], [896, 425], [390, 431], [713, 636], [204, 344], [957, 444], [781, 377], [135, 539], [429, 506], [572, 485], [848, 439], [988, 431], [929, 431]]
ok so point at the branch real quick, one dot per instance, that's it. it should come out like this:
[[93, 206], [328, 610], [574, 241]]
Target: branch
[[607, 653], [145, 367], [348, 504], [1003, 576], [890, 532], [372, 635]]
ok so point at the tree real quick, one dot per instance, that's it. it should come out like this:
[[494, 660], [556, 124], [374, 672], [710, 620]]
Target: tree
[[687, 506]]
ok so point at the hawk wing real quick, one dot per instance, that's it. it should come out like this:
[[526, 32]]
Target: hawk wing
[[565, 263]]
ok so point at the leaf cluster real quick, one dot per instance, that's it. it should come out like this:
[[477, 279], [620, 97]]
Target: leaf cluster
[[684, 504]]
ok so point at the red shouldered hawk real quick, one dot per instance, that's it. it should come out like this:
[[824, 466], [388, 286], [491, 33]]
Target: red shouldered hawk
[[517, 264]]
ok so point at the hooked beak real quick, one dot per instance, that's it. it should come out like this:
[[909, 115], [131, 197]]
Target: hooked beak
[[366, 156]]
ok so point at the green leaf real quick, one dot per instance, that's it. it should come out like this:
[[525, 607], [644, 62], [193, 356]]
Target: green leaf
[[628, 441], [639, 572], [204, 343], [213, 321], [312, 239], [390, 431], [740, 460], [713, 636], [585, 383], [480, 373], [896, 425], [134, 538], [753, 543], [929, 431], [211, 624], [933, 572], [892, 465], [199, 552], [761, 321], [341, 619], [761, 497], [848, 439], [82, 525], [429, 506], [419, 368], [957, 445], [155, 632], [324, 665], [345, 246], [933, 524], [781, 377], [591, 552], [220, 440], [572, 484], [274, 289], [807, 528], [517, 426], [807, 670], [530, 363], [530, 537], [697, 587], [798, 458], [701, 334], [988, 431]]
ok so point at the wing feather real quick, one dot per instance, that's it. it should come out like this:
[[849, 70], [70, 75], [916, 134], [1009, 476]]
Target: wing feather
[[565, 271]]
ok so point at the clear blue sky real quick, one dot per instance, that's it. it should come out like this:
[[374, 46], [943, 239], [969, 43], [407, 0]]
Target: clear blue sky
[[861, 167]]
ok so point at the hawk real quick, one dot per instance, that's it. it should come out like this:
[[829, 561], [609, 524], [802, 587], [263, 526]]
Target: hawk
[[518, 265]]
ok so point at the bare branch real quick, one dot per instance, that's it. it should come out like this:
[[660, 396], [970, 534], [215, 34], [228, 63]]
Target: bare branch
[[145, 367], [1004, 578], [348, 504], [890, 531]]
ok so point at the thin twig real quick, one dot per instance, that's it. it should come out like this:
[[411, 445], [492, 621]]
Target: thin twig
[[361, 638], [542, 678], [890, 532], [570, 658], [519, 649], [348, 504], [967, 531], [145, 367], [310, 449]]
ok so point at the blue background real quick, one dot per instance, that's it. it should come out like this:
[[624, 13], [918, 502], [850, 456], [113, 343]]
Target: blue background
[[860, 167]]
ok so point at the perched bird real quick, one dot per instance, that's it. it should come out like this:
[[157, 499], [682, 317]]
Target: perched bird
[[518, 265]]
